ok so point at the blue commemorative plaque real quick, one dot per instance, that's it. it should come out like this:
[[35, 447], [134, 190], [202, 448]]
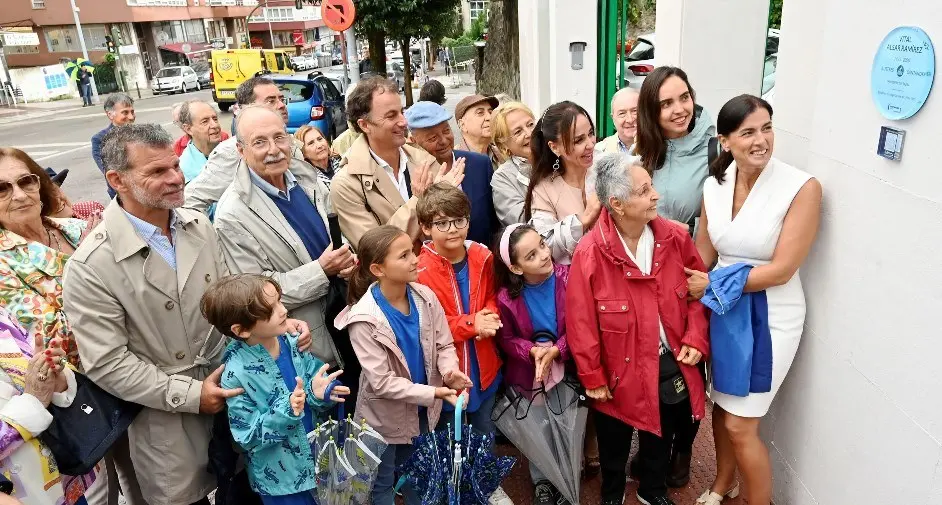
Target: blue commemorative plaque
[[903, 71]]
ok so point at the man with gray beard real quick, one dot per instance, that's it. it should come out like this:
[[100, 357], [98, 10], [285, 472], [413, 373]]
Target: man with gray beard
[[132, 293]]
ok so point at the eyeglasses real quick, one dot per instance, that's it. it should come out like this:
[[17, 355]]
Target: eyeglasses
[[28, 183], [445, 224]]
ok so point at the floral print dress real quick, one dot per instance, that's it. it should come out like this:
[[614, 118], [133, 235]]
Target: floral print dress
[[31, 284]]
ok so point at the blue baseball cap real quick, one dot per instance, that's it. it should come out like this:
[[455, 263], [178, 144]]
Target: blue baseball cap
[[426, 114]]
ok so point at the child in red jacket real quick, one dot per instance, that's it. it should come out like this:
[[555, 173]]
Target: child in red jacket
[[461, 273]]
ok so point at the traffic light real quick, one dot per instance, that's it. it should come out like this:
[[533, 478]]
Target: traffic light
[[113, 49]]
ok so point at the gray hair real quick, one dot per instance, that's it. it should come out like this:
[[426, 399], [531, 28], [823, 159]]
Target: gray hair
[[245, 93], [622, 92], [186, 115], [114, 147], [243, 110], [175, 112], [116, 99], [612, 177]]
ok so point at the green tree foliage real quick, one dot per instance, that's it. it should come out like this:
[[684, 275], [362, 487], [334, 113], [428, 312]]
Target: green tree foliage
[[775, 14]]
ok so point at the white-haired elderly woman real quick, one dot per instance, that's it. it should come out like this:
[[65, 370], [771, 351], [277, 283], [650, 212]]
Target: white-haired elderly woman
[[635, 337]]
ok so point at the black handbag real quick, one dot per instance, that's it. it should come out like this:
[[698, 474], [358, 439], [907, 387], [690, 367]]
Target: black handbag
[[82, 433]]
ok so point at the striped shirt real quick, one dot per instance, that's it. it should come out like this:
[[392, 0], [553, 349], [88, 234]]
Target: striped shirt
[[155, 238]]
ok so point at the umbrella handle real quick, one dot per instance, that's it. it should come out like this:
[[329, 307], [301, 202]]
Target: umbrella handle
[[459, 406], [340, 410]]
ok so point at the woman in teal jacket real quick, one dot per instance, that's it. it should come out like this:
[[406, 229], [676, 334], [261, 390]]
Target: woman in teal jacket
[[673, 142]]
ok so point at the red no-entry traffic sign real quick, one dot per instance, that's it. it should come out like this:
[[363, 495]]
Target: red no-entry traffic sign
[[338, 14]]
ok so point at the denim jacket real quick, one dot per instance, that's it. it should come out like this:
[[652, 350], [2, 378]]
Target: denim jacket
[[280, 461]]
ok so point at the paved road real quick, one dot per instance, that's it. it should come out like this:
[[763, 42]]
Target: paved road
[[63, 140]]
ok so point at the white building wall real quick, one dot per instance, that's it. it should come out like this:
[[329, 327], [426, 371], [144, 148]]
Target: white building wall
[[719, 43], [546, 75], [859, 419]]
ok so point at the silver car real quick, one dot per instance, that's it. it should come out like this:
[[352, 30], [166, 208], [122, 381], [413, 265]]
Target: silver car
[[175, 79]]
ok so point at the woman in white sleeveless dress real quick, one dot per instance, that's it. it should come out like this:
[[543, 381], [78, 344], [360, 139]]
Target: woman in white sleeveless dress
[[763, 212]]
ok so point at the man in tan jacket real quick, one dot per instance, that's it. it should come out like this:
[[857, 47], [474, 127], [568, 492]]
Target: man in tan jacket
[[132, 295], [381, 178]]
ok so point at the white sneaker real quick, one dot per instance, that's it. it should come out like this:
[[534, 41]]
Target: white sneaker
[[499, 497]]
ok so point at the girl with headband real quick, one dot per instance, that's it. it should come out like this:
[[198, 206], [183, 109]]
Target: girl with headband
[[532, 307]]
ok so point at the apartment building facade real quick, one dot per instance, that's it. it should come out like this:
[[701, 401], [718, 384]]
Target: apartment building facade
[[154, 33], [280, 25]]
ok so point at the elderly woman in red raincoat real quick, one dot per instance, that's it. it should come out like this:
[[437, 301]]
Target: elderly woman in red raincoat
[[635, 337]]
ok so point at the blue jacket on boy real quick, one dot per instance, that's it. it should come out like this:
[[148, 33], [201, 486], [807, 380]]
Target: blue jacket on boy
[[280, 461]]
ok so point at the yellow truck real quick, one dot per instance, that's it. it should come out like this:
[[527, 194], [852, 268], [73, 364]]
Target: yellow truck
[[231, 67]]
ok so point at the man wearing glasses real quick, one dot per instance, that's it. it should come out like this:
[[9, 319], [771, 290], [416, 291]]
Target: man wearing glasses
[[206, 188], [272, 221], [381, 177], [428, 122]]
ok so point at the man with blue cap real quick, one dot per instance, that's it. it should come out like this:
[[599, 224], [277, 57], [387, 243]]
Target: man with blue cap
[[428, 123]]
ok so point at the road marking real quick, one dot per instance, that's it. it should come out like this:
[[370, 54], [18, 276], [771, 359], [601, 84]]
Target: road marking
[[100, 114], [88, 144], [58, 144], [35, 154]]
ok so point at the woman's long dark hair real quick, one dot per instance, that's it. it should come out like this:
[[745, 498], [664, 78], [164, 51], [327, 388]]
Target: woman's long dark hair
[[728, 121], [651, 144], [557, 124], [506, 278], [373, 248]]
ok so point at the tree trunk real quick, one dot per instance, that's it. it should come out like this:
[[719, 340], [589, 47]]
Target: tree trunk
[[377, 40], [501, 72], [407, 71]]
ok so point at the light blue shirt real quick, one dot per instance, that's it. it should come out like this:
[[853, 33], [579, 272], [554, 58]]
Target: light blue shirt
[[155, 238], [192, 162], [290, 182]]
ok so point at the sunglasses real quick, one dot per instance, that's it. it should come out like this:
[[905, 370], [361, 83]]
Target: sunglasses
[[29, 183]]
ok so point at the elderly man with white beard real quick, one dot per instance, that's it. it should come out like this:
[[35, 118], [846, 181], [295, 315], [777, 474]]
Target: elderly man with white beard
[[273, 221]]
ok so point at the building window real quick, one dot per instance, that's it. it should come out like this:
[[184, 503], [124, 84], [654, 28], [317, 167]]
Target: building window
[[64, 39], [477, 8], [39, 4], [168, 32], [195, 31], [284, 39]]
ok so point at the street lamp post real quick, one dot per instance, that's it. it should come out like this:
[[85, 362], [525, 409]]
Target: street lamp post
[[81, 37]]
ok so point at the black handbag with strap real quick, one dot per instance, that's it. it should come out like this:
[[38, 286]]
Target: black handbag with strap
[[82, 433]]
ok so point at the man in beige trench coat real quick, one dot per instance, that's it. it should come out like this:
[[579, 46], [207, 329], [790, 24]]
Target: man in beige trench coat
[[132, 294]]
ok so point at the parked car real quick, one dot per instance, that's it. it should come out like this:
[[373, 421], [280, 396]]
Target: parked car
[[768, 77], [175, 79], [394, 71], [203, 73], [303, 62], [640, 61], [314, 101]]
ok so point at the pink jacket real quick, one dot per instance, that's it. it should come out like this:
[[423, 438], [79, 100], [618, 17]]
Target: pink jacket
[[388, 398]]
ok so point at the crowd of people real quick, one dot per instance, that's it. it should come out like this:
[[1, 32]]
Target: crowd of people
[[211, 292]]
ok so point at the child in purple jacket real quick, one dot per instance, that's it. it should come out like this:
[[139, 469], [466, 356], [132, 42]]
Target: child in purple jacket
[[531, 301]]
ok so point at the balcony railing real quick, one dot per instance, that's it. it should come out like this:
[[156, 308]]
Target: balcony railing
[[232, 3]]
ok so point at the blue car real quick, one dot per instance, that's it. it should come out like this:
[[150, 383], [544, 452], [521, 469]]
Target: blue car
[[314, 101]]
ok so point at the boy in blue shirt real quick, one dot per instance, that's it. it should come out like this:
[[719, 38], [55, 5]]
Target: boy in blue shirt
[[284, 388]]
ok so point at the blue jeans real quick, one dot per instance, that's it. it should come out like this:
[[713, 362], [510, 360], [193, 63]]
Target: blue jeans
[[394, 456], [480, 420], [86, 90]]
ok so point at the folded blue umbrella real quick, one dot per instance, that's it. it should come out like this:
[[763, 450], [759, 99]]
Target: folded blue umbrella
[[740, 339]]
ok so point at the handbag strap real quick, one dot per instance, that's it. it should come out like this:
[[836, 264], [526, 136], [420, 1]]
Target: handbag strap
[[200, 359]]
